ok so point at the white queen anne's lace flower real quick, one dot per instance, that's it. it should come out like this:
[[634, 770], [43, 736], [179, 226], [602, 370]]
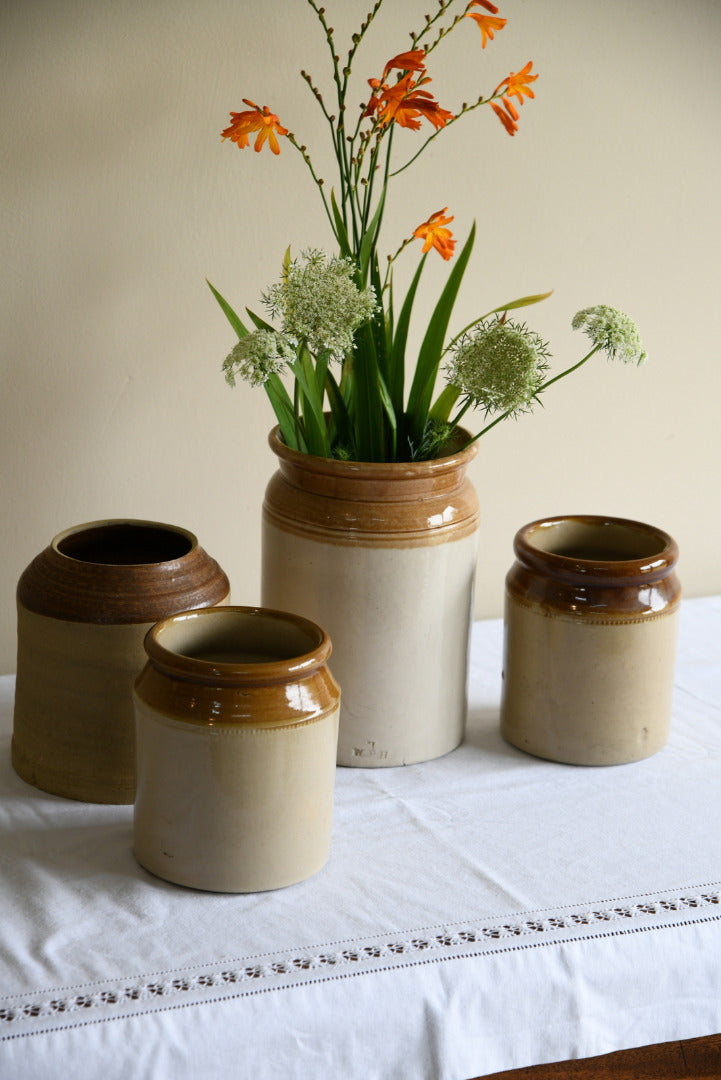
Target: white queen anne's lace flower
[[320, 304], [499, 366], [612, 331], [257, 356]]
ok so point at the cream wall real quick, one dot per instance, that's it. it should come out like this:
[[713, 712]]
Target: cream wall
[[119, 199]]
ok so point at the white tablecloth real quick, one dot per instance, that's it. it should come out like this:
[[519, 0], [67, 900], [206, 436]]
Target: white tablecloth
[[481, 912]]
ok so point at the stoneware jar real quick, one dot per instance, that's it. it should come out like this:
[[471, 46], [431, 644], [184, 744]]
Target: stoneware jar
[[590, 640], [237, 727], [383, 556], [84, 606]]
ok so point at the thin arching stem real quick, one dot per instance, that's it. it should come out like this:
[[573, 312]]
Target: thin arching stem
[[318, 182]]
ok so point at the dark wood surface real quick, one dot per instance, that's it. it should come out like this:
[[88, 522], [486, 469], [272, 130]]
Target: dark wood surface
[[692, 1059]]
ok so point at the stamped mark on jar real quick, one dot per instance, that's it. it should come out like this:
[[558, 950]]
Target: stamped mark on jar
[[369, 751]]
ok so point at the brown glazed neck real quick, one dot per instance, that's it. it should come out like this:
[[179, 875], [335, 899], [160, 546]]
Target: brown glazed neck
[[238, 667], [121, 571], [390, 504], [603, 566], [374, 481], [194, 646]]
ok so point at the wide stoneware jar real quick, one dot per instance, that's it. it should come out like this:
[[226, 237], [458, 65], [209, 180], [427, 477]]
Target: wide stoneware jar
[[84, 606], [383, 556], [591, 624], [237, 727]]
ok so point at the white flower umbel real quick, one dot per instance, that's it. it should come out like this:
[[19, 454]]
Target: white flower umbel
[[257, 356], [612, 331], [320, 304], [499, 366]]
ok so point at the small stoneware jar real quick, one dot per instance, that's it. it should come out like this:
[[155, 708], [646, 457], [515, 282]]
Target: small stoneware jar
[[237, 732], [84, 606], [590, 640]]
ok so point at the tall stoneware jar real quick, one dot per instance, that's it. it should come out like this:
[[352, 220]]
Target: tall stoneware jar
[[84, 606], [590, 639], [382, 556], [237, 727]]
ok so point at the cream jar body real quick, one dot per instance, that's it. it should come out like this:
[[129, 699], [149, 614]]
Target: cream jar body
[[383, 556], [237, 728], [84, 606], [591, 623]]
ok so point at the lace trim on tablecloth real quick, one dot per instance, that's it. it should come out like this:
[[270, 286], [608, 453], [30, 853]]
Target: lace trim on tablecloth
[[94, 1002]]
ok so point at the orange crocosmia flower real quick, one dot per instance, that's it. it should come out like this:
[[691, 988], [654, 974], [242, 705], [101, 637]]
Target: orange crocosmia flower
[[435, 234], [375, 102], [414, 60], [508, 118], [404, 103], [516, 83], [487, 24], [263, 121]]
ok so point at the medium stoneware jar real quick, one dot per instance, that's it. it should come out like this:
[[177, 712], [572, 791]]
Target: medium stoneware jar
[[237, 727], [84, 606], [383, 556], [590, 640]]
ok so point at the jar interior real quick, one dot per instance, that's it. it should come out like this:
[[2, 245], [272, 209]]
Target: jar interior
[[125, 544], [603, 541], [234, 637]]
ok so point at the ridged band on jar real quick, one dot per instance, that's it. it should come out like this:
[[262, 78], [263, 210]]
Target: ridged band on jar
[[238, 666], [121, 571], [385, 503], [594, 567]]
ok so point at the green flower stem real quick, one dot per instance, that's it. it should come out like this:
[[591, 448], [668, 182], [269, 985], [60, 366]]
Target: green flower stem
[[392, 258], [337, 129], [434, 135], [488, 427], [460, 414], [568, 371], [375, 136], [443, 6], [356, 40], [368, 198], [318, 182], [320, 12]]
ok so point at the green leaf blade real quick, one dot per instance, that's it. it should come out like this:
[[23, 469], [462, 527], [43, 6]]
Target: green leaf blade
[[234, 320], [431, 351]]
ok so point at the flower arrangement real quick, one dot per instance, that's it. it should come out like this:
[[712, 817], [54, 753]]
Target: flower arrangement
[[333, 322]]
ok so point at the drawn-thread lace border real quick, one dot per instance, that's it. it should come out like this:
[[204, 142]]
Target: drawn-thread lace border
[[93, 1002]]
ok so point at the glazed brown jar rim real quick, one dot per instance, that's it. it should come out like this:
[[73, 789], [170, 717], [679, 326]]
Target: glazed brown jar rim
[[157, 568], [583, 566], [214, 672], [313, 473]]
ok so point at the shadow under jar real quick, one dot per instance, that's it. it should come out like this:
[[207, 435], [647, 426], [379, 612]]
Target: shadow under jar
[[237, 732], [591, 622], [84, 606]]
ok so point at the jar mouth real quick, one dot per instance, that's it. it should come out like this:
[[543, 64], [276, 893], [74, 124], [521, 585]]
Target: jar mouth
[[124, 543], [459, 450], [237, 645], [595, 546]]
